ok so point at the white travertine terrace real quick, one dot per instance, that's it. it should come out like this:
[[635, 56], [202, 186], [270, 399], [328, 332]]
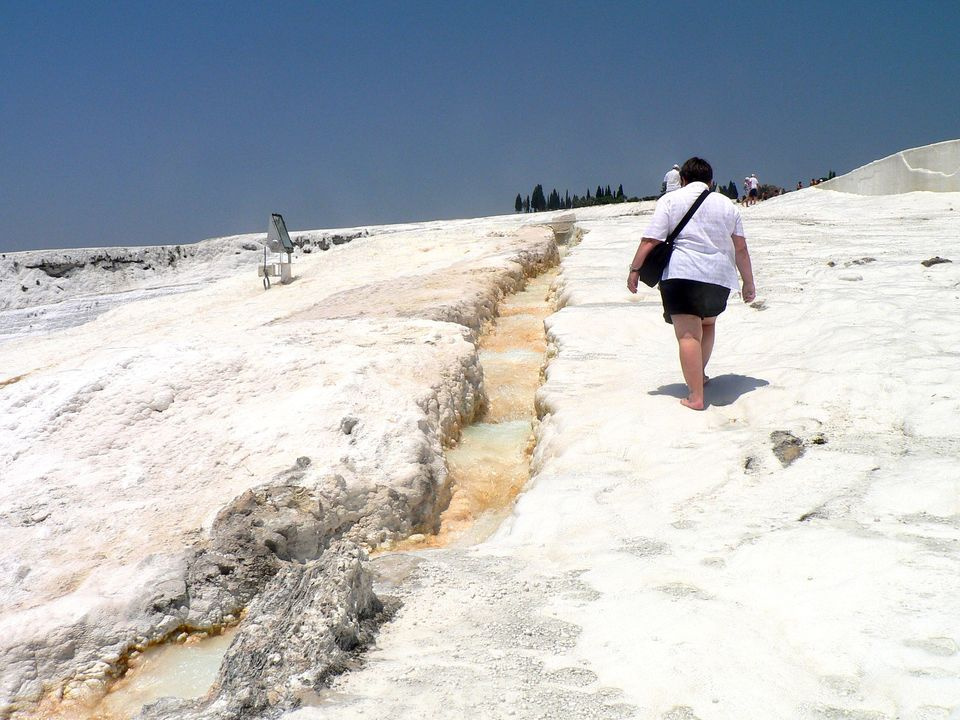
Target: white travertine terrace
[[123, 437], [933, 168]]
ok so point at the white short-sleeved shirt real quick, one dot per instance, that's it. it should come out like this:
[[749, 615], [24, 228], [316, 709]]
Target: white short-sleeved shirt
[[672, 180], [704, 249]]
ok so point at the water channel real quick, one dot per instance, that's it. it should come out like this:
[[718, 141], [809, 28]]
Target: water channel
[[491, 464]]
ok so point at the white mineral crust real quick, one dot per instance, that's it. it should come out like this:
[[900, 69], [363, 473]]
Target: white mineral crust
[[123, 437], [664, 563]]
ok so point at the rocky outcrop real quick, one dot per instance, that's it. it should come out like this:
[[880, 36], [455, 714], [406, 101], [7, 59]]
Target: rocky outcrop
[[305, 627], [284, 522]]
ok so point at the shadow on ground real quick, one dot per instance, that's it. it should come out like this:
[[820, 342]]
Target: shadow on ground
[[722, 389]]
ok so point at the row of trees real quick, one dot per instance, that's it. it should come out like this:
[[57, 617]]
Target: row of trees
[[730, 190], [538, 202]]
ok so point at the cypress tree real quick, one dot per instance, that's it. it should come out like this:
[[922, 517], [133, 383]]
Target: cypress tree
[[518, 204], [608, 193], [537, 201], [599, 192], [526, 204], [620, 192]]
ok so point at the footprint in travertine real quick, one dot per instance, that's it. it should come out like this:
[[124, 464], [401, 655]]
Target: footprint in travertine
[[939, 646], [683, 590], [679, 712], [934, 712], [610, 695], [644, 547], [935, 673], [829, 712], [842, 685], [578, 677]]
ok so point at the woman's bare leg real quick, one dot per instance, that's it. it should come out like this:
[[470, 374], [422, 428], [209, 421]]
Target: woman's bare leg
[[689, 332], [706, 343]]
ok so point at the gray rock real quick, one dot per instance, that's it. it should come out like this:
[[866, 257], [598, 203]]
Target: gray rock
[[305, 627], [786, 446], [288, 522]]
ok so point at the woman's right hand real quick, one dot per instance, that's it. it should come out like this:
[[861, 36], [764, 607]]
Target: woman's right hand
[[749, 292]]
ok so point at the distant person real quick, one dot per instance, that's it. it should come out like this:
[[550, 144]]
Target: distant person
[[799, 184], [671, 181], [707, 255], [753, 186]]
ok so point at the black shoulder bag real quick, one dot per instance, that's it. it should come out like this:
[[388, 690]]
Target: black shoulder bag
[[657, 259]]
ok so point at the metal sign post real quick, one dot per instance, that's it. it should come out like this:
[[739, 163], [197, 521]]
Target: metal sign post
[[279, 242]]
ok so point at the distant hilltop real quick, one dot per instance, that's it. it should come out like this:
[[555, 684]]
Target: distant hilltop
[[932, 168]]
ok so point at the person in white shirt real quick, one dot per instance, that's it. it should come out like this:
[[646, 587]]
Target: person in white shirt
[[707, 255], [754, 189], [671, 181]]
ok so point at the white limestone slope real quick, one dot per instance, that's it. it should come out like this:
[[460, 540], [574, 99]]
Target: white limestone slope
[[121, 438], [932, 168], [664, 563]]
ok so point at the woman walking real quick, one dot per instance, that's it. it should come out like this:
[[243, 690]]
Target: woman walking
[[707, 254]]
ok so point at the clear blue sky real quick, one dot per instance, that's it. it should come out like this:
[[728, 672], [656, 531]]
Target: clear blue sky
[[165, 122]]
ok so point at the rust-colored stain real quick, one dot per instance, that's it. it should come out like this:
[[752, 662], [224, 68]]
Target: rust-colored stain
[[481, 484], [14, 379]]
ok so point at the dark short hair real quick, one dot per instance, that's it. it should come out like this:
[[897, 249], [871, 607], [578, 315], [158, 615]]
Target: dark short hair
[[696, 170]]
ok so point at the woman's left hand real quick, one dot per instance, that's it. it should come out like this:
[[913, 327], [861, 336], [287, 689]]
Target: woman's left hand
[[646, 245]]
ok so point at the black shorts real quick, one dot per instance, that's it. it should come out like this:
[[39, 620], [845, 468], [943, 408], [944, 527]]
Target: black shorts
[[753, 192], [692, 297]]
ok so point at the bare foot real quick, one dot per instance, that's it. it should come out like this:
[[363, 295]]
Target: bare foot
[[692, 404]]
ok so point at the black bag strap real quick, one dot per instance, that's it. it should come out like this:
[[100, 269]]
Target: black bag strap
[[693, 208]]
